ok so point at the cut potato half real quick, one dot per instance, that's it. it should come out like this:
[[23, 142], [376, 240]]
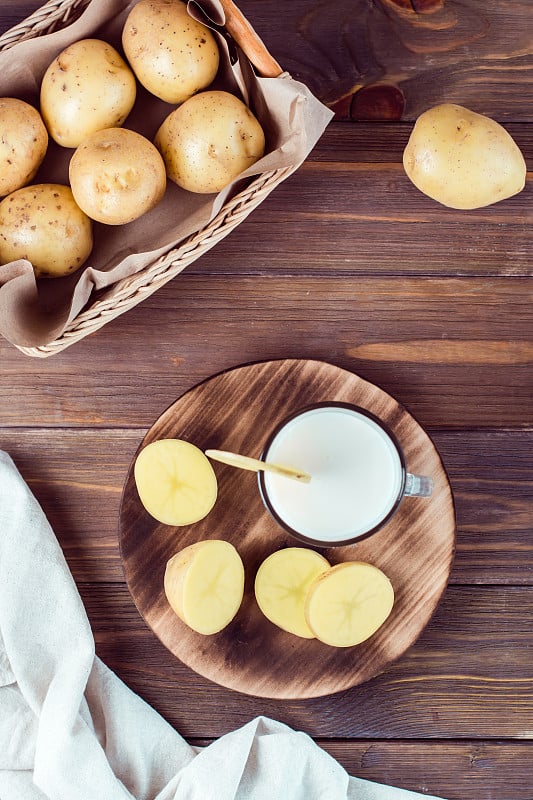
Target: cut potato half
[[175, 481], [281, 585], [204, 585], [347, 604]]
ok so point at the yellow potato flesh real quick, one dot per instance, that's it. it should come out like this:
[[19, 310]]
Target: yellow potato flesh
[[43, 224], [462, 159], [116, 176], [209, 140], [281, 585], [175, 481], [204, 585], [23, 143], [88, 87], [348, 603], [172, 54]]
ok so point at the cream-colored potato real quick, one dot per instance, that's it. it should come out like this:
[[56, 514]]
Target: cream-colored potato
[[23, 143], [175, 481], [209, 140], [204, 585], [172, 54], [43, 224], [281, 585], [348, 603], [463, 159], [117, 175], [88, 87]]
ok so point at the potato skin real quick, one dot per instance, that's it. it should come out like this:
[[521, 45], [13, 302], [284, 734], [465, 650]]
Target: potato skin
[[462, 159], [117, 175], [86, 88], [43, 224], [23, 143], [172, 54], [209, 140]]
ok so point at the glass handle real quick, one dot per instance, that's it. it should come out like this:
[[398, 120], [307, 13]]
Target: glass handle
[[418, 485]]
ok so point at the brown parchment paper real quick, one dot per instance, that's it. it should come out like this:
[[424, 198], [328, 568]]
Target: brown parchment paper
[[34, 313]]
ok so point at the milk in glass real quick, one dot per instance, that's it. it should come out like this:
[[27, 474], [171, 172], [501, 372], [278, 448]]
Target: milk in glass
[[356, 474]]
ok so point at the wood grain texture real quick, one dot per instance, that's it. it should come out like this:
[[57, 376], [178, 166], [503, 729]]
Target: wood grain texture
[[436, 329], [80, 491], [481, 769], [235, 411], [392, 59], [346, 262], [468, 675], [475, 53], [424, 766]]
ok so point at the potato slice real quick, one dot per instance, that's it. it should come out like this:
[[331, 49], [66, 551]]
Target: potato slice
[[348, 603], [281, 585], [175, 481], [204, 585]]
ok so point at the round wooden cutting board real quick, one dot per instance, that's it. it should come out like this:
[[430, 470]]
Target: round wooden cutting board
[[236, 410]]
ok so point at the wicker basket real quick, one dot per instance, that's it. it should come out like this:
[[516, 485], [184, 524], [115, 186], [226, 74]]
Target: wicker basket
[[126, 293]]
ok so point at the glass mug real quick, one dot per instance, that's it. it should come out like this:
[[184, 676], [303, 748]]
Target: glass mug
[[358, 474]]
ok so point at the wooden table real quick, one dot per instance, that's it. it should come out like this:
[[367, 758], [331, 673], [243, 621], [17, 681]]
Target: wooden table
[[346, 262]]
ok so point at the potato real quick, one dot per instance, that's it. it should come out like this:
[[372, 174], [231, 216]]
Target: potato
[[172, 54], [209, 140], [88, 87], [348, 603], [463, 159], [23, 143], [281, 585], [204, 585], [117, 175], [43, 224], [175, 481]]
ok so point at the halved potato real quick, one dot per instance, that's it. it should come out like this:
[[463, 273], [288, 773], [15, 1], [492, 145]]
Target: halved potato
[[204, 585], [281, 585], [175, 481], [347, 604]]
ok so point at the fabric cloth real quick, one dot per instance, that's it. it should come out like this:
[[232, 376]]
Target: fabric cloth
[[70, 729]]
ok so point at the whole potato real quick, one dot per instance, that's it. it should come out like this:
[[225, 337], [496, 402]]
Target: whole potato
[[463, 159], [23, 143], [172, 54], [43, 224], [88, 87], [117, 175], [209, 140]]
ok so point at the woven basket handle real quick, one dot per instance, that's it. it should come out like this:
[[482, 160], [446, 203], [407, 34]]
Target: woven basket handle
[[244, 35]]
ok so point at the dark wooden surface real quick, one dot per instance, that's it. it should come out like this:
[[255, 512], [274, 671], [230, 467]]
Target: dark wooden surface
[[348, 263]]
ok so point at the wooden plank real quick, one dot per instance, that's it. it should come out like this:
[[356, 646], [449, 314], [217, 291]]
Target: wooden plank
[[501, 770], [405, 55], [370, 142], [463, 51], [455, 352], [476, 649], [77, 475], [480, 769]]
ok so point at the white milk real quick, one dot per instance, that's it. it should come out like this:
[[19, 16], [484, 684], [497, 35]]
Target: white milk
[[356, 474]]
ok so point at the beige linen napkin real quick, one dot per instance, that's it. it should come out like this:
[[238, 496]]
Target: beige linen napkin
[[70, 729]]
